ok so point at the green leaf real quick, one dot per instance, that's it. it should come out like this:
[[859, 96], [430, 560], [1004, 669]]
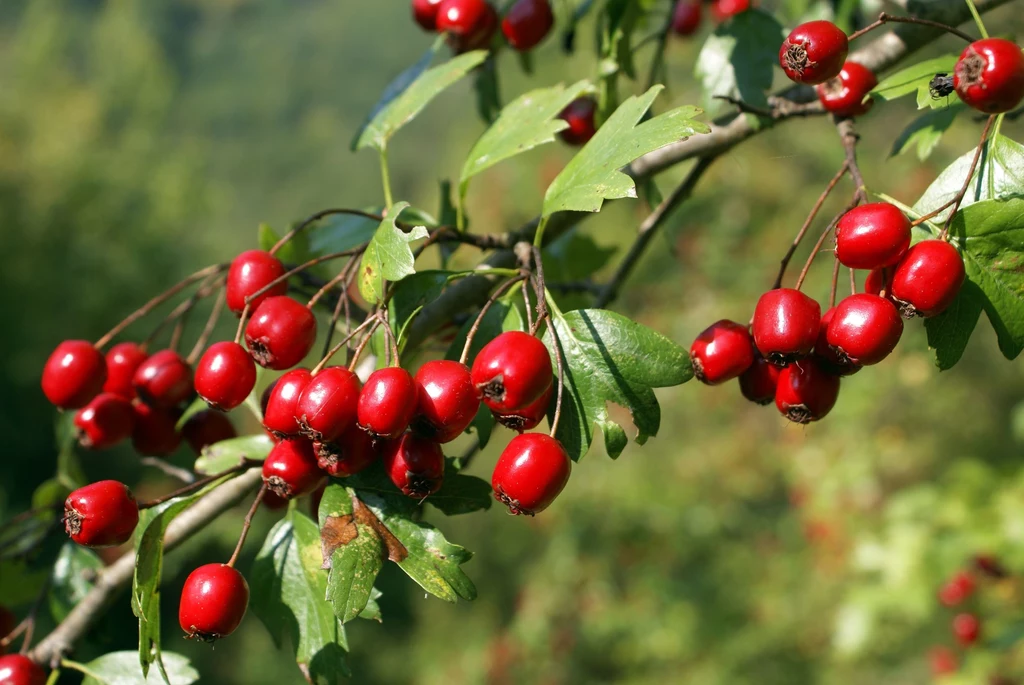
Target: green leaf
[[69, 469], [950, 331], [288, 591], [574, 256], [461, 493], [122, 668], [223, 455], [925, 132], [351, 548], [388, 257], [594, 174], [411, 294], [502, 316], [372, 610], [483, 425], [488, 91], [74, 574], [738, 60], [407, 95], [341, 232], [914, 79], [295, 251]]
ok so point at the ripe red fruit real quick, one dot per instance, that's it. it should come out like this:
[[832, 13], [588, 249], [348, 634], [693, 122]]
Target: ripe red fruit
[[122, 360], [447, 400], [207, 428], [102, 514], [290, 469], [990, 566], [785, 325], [153, 432], [213, 602], [327, 406], [580, 116], [526, 23], [990, 75], [928, 278], [877, 281], [225, 375], [846, 94], [966, 629], [721, 352], [249, 272], [425, 13], [279, 414], [18, 669], [163, 380], [512, 371], [469, 23], [872, 236], [415, 465], [104, 422], [530, 416], [943, 661], [758, 382], [387, 402], [806, 391], [723, 9], [530, 473], [834, 362], [865, 329], [957, 589], [280, 333], [273, 502], [814, 52], [686, 17], [346, 456], [73, 374]]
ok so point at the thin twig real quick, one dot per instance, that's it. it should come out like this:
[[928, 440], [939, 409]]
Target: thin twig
[[313, 218], [211, 325], [885, 18], [853, 282], [374, 322], [967, 181], [302, 267], [807, 223], [171, 470], [189, 488], [814, 252], [835, 282], [205, 289], [33, 614], [555, 343], [529, 305], [483, 311], [334, 350], [848, 135], [247, 524], [342, 304]]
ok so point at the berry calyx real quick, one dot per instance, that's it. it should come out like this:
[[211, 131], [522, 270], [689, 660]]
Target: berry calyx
[[785, 325], [415, 465], [104, 422], [387, 402], [806, 391], [249, 272], [205, 428], [759, 381], [864, 329], [290, 469], [530, 416], [990, 75], [225, 375], [102, 514], [122, 360], [724, 9], [512, 371], [928, 278], [447, 400], [966, 629], [834, 362], [346, 456], [579, 114], [957, 589], [18, 669], [686, 17], [425, 13], [872, 236], [530, 473], [163, 380], [280, 333], [327, 406], [814, 52], [846, 95], [470, 24], [153, 430], [74, 374], [279, 414], [721, 352], [213, 602], [526, 23]]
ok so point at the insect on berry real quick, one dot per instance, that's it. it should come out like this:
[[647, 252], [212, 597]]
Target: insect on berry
[[415, 465], [74, 374], [990, 75], [723, 351], [250, 272], [512, 371], [814, 52], [102, 514], [530, 473], [941, 86], [213, 602]]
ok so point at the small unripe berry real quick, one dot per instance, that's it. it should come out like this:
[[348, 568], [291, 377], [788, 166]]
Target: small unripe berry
[[723, 351], [122, 361], [806, 391], [225, 375], [74, 374], [213, 602], [105, 421], [102, 514], [290, 470], [415, 465], [814, 52], [280, 333], [250, 272], [163, 380], [530, 473]]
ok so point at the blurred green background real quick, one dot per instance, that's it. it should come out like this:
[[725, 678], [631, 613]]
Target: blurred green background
[[140, 141]]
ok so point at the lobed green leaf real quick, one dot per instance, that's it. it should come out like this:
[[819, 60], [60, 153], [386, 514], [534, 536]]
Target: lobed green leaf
[[388, 256], [122, 668]]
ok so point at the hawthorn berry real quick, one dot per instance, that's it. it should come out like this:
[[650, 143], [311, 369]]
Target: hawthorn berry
[[686, 17], [530, 416], [414, 464], [759, 381], [579, 114], [872, 236], [425, 13], [785, 325], [163, 380], [387, 402], [530, 473], [327, 406], [928, 278], [279, 413], [207, 427], [101, 514], [724, 9], [225, 375], [846, 95], [153, 430], [864, 329], [249, 272], [943, 661], [290, 469], [512, 371], [966, 629], [18, 669], [104, 422], [447, 400], [806, 391], [352, 452], [814, 52], [213, 602], [957, 589], [74, 374], [837, 364], [470, 24], [990, 75], [877, 281], [721, 352], [280, 333], [526, 23], [122, 360]]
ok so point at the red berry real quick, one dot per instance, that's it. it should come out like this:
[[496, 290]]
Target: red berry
[[104, 422], [990, 75], [839, 365], [273, 502], [280, 333], [785, 325], [74, 374], [249, 272], [686, 17], [806, 391], [447, 400], [102, 514], [290, 469], [163, 380], [225, 375], [327, 405], [814, 52], [346, 456], [943, 661], [526, 23], [877, 281], [213, 602], [721, 352], [207, 428], [758, 382], [872, 236], [928, 278], [530, 416], [530, 473], [8, 622], [122, 361], [966, 628], [387, 402], [153, 433], [724, 9], [957, 589], [846, 95], [18, 669], [470, 24], [425, 13], [580, 116], [865, 329], [512, 371], [279, 414], [990, 566], [415, 465]]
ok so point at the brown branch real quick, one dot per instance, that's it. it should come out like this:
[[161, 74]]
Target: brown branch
[[807, 224]]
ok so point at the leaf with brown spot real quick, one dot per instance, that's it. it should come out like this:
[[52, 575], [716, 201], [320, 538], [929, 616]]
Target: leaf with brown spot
[[335, 532], [396, 550], [353, 549]]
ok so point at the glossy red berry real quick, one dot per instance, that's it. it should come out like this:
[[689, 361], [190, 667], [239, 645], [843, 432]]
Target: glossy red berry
[[686, 17], [102, 514], [928, 278], [990, 75], [153, 430], [279, 414], [290, 469], [526, 23], [414, 464], [74, 374], [724, 9], [225, 375], [250, 272], [943, 661], [207, 428], [512, 371], [447, 400], [104, 422], [346, 456], [846, 95], [163, 380], [530, 473], [425, 13], [18, 669], [327, 405], [966, 629], [834, 362], [470, 24], [814, 52], [758, 382], [280, 333], [579, 114], [122, 360], [806, 391], [957, 589], [530, 416], [213, 602], [387, 402], [872, 236], [721, 352], [864, 329], [785, 325], [877, 281]]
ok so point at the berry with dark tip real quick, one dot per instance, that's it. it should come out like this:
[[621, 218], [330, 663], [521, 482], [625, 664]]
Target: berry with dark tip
[[530, 416], [225, 375], [864, 329], [279, 413], [579, 114], [122, 360], [18, 669], [928, 278], [785, 325], [327, 405], [74, 374], [290, 470], [814, 52], [512, 371], [346, 456], [721, 352], [387, 402], [839, 365], [415, 465], [990, 75], [102, 514], [806, 391], [280, 333], [447, 400], [163, 380], [105, 421], [846, 95], [250, 272], [213, 602], [530, 473], [758, 382]]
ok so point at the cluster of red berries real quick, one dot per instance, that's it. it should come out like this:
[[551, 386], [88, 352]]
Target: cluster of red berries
[[793, 354], [471, 24], [687, 14]]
